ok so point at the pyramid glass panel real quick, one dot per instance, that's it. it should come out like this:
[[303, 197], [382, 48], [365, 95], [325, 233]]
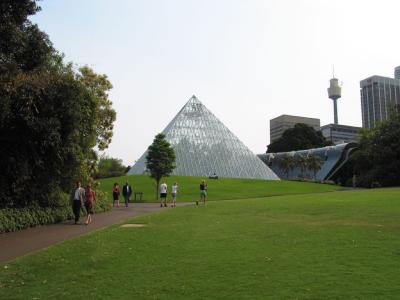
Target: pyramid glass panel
[[204, 146]]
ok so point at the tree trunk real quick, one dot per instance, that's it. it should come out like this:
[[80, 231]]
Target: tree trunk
[[157, 187]]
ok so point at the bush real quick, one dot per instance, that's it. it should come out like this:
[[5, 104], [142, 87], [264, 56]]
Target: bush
[[13, 219]]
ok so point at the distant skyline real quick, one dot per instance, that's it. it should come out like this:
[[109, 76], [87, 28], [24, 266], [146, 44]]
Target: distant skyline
[[247, 61]]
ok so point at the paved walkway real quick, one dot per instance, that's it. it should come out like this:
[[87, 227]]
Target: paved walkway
[[15, 244]]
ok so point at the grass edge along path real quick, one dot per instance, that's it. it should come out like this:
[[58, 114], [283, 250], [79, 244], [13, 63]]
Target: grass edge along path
[[316, 246]]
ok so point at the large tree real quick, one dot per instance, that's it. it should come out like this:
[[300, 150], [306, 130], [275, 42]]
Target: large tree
[[51, 117], [378, 160], [110, 167], [160, 159], [300, 137]]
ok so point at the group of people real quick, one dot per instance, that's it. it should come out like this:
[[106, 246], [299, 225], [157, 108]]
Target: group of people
[[126, 193], [163, 194], [83, 197], [86, 197], [174, 192]]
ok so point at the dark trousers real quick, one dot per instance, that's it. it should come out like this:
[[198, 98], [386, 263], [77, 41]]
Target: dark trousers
[[76, 208]]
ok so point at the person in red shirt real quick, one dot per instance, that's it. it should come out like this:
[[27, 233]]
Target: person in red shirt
[[116, 193], [90, 197]]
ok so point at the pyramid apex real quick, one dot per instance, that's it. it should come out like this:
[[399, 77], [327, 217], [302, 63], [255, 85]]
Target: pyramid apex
[[194, 99]]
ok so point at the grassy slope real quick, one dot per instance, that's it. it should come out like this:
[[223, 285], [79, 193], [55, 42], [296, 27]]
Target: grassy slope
[[340, 245], [221, 189]]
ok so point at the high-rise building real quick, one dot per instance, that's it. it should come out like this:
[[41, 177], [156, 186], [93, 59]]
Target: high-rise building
[[377, 93], [279, 124], [204, 146], [397, 72], [339, 134]]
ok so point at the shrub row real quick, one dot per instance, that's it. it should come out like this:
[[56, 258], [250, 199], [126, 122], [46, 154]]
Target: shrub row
[[13, 219]]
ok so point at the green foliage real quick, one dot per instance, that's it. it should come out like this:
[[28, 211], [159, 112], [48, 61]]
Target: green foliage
[[104, 115], [13, 219], [301, 163], [110, 167], [340, 245], [160, 159], [314, 163], [51, 117], [286, 162], [377, 163], [300, 137], [23, 47], [102, 202]]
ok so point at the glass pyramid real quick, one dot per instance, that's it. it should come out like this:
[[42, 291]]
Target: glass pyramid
[[204, 147]]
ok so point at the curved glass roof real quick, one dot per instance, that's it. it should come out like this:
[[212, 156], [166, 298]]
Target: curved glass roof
[[333, 158]]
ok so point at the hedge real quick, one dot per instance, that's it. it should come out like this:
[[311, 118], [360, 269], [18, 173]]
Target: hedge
[[13, 219]]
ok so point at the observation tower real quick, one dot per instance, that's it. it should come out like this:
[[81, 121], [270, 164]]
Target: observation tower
[[334, 93]]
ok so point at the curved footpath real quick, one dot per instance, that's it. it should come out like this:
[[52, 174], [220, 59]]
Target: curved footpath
[[15, 244]]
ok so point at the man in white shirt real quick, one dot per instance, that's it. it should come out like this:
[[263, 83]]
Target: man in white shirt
[[163, 194], [77, 195]]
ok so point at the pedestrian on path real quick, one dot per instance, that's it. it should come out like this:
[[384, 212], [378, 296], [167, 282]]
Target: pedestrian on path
[[115, 191], [163, 194], [203, 192], [77, 196], [174, 191], [90, 197], [126, 192]]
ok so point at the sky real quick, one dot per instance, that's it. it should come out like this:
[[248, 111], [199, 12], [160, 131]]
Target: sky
[[247, 61]]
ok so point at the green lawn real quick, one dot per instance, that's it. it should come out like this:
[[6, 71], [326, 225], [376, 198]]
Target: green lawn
[[338, 245], [221, 189]]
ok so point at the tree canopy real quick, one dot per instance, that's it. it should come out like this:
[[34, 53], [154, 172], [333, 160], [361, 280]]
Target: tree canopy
[[160, 159], [51, 117], [300, 137], [110, 167], [378, 160]]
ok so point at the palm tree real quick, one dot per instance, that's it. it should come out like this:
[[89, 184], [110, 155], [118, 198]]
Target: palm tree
[[286, 163], [314, 164], [301, 162]]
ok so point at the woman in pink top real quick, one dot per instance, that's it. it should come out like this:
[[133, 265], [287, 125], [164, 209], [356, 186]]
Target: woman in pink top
[[90, 197], [116, 194]]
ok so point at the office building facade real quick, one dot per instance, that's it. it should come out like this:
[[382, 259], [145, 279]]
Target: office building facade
[[377, 94], [279, 124], [339, 134]]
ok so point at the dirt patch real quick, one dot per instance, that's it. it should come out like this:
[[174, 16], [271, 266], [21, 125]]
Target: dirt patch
[[133, 225]]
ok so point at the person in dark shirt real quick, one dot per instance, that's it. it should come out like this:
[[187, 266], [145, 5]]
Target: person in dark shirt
[[126, 192], [203, 192]]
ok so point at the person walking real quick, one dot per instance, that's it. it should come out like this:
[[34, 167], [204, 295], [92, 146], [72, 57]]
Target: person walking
[[163, 194], [174, 191], [203, 192], [126, 192], [77, 196], [90, 197], [115, 191]]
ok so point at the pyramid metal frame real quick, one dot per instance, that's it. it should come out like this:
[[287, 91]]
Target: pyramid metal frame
[[204, 146]]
